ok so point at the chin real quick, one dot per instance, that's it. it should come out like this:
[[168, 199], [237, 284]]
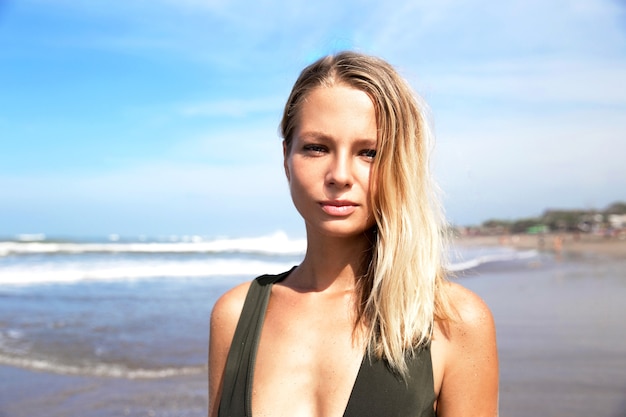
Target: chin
[[341, 231]]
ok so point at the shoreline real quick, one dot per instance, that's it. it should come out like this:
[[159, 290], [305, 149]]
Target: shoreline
[[561, 341], [560, 244], [27, 392]]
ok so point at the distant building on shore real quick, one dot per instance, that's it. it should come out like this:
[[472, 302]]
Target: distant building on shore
[[617, 221], [610, 221]]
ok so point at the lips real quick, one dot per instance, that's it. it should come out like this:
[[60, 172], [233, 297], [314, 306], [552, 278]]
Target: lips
[[338, 207]]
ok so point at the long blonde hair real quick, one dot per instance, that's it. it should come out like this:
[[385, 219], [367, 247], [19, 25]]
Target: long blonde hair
[[401, 292]]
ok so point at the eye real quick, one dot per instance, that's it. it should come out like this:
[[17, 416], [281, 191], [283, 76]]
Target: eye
[[314, 149], [369, 153]]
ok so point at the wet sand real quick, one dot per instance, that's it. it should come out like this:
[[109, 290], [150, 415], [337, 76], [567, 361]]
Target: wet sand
[[561, 334], [26, 393]]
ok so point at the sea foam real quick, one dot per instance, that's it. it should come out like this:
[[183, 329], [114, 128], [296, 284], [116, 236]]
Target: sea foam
[[276, 244], [64, 273], [99, 369], [29, 262]]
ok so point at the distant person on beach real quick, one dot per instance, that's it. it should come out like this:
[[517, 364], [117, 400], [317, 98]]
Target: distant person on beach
[[367, 324]]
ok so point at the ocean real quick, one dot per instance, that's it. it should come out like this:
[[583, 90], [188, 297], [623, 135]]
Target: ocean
[[122, 308], [131, 315]]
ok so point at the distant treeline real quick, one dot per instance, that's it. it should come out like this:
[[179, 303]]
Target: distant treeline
[[560, 220]]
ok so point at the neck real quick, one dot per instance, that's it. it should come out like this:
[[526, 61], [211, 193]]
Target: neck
[[332, 263]]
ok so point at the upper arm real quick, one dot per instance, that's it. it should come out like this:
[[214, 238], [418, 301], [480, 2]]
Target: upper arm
[[469, 386], [224, 318]]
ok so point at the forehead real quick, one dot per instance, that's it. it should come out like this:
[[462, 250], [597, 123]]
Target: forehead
[[340, 109], [338, 95]]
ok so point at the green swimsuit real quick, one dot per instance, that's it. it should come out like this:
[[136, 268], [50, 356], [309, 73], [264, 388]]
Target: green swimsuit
[[377, 391]]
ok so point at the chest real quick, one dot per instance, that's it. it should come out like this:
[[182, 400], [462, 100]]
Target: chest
[[307, 350], [375, 391]]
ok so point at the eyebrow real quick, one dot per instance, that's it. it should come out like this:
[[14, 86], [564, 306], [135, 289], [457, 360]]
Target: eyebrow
[[316, 135]]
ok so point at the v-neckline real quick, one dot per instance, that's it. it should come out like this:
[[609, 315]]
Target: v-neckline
[[253, 354]]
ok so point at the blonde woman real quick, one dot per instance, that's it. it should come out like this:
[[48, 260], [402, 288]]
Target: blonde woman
[[367, 324]]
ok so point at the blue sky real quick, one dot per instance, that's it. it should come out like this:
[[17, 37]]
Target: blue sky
[[160, 117]]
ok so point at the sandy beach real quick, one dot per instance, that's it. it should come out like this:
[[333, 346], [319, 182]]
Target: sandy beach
[[585, 245], [560, 323]]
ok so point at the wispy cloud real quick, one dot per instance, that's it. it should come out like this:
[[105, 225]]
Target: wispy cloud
[[236, 108], [210, 198], [528, 97], [211, 32], [234, 142], [544, 82]]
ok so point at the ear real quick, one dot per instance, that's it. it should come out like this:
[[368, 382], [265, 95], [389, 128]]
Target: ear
[[285, 156]]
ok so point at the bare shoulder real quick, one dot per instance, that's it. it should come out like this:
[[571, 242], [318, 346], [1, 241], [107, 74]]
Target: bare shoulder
[[227, 308], [466, 357], [224, 318], [471, 329], [471, 313]]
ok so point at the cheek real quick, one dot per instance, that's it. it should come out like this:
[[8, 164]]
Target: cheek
[[299, 180], [372, 183], [372, 190], [368, 180], [294, 176], [287, 160]]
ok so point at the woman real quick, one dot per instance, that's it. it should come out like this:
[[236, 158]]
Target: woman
[[366, 325]]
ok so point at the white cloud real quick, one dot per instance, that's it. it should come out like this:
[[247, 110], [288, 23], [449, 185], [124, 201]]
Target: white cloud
[[515, 25], [525, 93], [599, 82], [157, 197], [519, 166], [209, 32]]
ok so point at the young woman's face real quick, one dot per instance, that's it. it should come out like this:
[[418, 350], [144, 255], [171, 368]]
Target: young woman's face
[[329, 161]]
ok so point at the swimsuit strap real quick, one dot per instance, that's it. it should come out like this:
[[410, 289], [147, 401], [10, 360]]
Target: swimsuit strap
[[238, 372], [377, 391]]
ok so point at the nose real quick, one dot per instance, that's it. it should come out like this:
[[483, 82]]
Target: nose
[[339, 173]]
